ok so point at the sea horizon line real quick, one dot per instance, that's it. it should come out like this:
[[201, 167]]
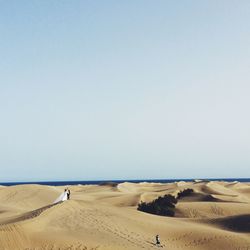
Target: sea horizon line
[[86, 182]]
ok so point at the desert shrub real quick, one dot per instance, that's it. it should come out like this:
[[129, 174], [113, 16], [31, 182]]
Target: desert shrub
[[185, 193], [163, 205]]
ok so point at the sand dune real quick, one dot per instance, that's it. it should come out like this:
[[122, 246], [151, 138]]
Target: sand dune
[[215, 216], [237, 223]]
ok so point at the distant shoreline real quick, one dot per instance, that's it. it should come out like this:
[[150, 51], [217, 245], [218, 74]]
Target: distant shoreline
[[97, 182]]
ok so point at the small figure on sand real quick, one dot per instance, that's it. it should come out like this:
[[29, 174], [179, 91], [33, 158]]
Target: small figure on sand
[[68, 194], [64, 196], [157, 240]]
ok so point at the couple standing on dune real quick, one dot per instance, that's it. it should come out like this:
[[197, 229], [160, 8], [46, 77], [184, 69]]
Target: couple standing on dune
[[64, 196]]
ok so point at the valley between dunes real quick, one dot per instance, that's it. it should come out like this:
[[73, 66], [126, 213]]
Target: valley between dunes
[[105, 217]]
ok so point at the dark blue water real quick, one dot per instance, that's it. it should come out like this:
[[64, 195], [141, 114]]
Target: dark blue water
[[65, 183]]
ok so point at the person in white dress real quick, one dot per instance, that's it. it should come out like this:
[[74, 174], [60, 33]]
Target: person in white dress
[[63, 197]]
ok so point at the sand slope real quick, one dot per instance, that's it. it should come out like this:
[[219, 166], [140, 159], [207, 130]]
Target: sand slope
[[216, 216]]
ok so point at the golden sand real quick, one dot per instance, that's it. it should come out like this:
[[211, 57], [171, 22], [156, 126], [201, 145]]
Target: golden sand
[[215, 217]]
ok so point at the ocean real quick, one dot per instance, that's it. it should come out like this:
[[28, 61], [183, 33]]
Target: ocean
[[99, 182]]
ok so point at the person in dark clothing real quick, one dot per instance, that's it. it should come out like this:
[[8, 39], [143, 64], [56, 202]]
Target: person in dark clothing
[[157, 239], [68, 194]]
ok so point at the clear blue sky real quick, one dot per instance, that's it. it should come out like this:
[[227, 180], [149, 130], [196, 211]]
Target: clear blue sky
[[124, 89]]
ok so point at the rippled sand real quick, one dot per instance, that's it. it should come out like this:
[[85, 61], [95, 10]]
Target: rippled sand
[[216, 216]]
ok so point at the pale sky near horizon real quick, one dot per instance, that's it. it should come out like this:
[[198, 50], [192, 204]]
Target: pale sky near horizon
[[96, 90]]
